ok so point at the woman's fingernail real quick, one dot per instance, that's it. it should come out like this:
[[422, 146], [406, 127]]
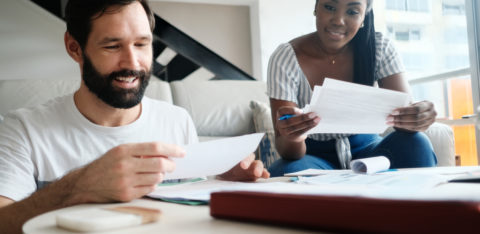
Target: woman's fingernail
[[316, 120], [389, 123], [390, 119], [311, 115], [395, 112]]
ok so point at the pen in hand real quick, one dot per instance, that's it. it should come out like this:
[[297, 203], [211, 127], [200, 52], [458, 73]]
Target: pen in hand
[[284, 117]]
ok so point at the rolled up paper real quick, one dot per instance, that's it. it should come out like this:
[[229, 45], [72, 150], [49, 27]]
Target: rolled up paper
[[370, 165]]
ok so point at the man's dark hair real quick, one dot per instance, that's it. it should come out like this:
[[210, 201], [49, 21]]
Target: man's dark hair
[[80, 13]]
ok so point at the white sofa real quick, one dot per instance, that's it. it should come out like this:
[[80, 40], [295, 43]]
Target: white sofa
[[218, 108]]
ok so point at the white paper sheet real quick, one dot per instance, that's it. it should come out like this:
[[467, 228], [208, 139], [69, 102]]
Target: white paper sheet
[[214, 157], [345, 107]]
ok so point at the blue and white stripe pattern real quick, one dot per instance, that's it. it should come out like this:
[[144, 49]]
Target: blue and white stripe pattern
[[286, 81]]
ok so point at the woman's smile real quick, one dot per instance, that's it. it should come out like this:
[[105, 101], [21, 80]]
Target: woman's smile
[[335, 34]]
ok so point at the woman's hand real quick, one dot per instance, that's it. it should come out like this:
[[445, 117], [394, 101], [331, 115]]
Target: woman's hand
[[416, 118], [295, 127]]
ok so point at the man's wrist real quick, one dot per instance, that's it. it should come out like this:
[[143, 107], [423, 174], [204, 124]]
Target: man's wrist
[[66, 190]]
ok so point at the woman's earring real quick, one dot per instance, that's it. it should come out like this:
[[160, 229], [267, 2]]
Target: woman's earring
[[314, 13], [361, 26]]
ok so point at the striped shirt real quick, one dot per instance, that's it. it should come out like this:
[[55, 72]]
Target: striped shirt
[[286, 81]]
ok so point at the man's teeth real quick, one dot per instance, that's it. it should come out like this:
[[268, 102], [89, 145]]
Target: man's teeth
[[126, 79]]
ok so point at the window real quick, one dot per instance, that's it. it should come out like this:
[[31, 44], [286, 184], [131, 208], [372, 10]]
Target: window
[[416, 61], [414, 35], [408, 5], [399, 5], [402, 36], [456, 61], [456, 35], [455, 8], [404, 33], [435, 53], [417, 5]]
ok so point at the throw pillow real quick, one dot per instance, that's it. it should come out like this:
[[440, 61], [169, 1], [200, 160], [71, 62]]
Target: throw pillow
[[262, 120]]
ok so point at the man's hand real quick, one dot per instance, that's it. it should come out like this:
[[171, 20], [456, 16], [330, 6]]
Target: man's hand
[[248, 169], [126, 172]]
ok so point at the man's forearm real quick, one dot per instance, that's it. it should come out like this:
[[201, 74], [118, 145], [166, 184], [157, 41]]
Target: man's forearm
[[54, 196]]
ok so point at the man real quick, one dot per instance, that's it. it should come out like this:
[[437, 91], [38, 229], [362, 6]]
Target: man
[[105, 142]]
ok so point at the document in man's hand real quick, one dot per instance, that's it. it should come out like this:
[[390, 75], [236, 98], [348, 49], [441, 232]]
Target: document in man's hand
[[345, 107], [214, 157]]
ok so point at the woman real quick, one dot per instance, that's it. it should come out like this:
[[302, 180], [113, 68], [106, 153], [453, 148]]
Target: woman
[[346, 47]]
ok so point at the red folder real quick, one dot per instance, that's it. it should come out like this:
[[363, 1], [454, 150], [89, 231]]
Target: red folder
[[348, 214]]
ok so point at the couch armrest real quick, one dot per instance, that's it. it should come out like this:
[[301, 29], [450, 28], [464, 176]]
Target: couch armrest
[[441, 136], [443, 141]]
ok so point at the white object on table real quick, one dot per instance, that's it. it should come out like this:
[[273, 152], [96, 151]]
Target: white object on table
[[370, 165]]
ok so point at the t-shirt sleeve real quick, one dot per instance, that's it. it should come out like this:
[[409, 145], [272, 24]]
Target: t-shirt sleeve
[[282, 83], [16, 167], [388, 61]]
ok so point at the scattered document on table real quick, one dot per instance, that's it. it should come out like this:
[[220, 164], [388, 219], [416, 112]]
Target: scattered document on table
[[346, 107], [214, 157], [392, 182], [314, 172], [421, 183]]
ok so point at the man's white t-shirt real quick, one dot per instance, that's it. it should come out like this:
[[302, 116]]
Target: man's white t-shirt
[[41, 144]]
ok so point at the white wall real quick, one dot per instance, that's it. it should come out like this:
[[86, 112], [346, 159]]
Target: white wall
[[31, 43], [272, 22], [280, 21], [225, 29], [246, 32]]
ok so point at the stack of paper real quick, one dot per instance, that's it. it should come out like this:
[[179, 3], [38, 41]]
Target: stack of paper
[[345, 107]]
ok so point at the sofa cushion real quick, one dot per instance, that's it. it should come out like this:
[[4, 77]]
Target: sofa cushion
[[219, 107], [159, 89], [15, 94], [442, 138], [262, 120]]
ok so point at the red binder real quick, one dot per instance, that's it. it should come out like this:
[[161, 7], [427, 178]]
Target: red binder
[[348, 214]]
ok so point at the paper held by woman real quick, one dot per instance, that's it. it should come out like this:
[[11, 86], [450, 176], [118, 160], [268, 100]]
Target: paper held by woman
[[345, 107]]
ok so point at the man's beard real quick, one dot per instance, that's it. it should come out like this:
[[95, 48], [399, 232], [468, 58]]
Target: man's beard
[[102, 86]]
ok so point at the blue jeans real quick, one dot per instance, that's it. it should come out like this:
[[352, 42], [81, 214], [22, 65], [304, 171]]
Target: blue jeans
[[403, 149]]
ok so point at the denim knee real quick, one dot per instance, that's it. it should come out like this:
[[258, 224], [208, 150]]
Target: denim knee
[[409, 149], [282, 166]]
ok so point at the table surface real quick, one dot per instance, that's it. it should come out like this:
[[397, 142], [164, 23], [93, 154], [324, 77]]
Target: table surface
[[180, 218], [175, 218]]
